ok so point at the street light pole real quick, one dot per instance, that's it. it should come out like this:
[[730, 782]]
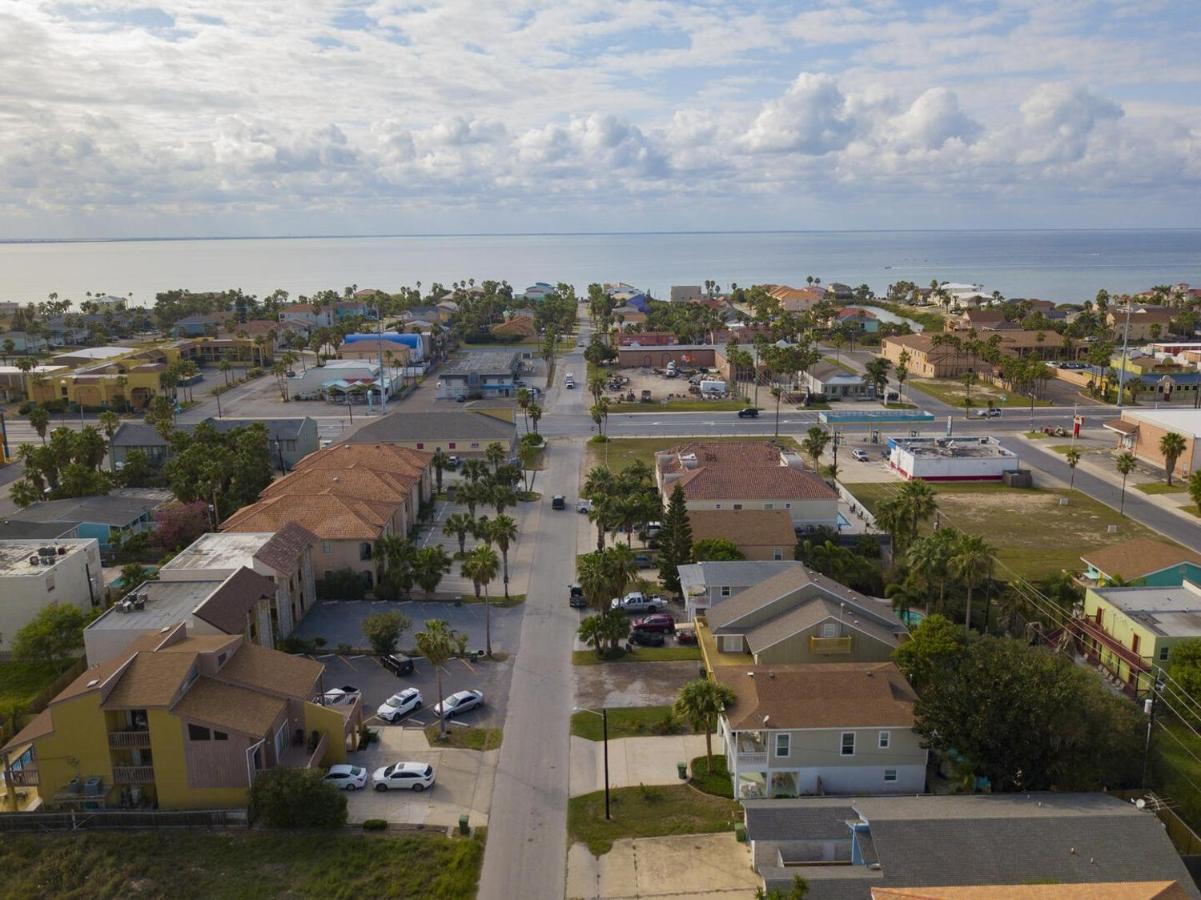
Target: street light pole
[[1125, 346], [605, 734]]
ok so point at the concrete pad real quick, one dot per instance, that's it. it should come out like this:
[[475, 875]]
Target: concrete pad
[[632, 761], [713, 866]]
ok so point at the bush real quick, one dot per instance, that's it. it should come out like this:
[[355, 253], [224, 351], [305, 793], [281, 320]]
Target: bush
[[254, 372], [342, 584], [25, 408], [296, 798], [375, 825], [383, 630], [533, 439]]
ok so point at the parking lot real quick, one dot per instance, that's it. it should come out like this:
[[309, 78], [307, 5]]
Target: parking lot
[[661, 387]]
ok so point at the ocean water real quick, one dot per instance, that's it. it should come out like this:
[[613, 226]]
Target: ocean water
[[1060, 265]]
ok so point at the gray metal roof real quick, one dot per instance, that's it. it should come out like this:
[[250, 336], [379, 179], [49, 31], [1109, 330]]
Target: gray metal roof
[[740, 573], [401, 425], [111, 509], [139, 434]]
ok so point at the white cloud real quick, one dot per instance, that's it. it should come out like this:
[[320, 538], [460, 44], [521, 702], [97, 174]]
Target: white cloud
[[935, 118], [811, 118], [1058, 120]]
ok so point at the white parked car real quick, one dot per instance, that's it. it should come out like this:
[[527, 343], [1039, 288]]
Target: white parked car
[[345, 694], [860, 455], [346, 777], [412, 776], [638, 602], [459, 702], [400, 705]]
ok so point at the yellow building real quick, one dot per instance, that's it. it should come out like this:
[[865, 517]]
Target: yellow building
[[100, 377], [179, 721]]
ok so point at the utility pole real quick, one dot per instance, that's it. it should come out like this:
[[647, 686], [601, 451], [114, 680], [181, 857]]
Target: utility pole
[[1149, 708], [1125, 347], [379, 346]]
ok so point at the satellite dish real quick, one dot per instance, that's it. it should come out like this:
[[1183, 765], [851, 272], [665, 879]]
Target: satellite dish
[[1140, 803]]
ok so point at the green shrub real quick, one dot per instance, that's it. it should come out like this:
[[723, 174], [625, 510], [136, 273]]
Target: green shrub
[[375, 825], [296, 798], [342, 584]]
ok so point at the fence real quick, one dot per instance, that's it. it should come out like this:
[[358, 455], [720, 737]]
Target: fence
[[11, 721], [120, 819]]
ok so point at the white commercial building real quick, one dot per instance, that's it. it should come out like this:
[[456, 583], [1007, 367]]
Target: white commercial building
[[35, 574], [951, 458]]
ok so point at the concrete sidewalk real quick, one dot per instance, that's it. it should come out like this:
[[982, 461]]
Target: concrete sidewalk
[[705, 866], [632, 761]]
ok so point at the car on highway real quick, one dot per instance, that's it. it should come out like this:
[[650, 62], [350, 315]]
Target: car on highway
[[860, 455], [647, 638], [458, 703], [661, 622], [575, 597], [638, 602], [397, 663], [558, 501], [750, 412], [583, 507], [339, 696], [461, 398], [991, 413], [411, 776], [346, 777], [400, 705]]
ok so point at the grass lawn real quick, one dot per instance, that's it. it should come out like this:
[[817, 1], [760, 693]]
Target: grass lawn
[[497, 601], [647, 812], [839, 363], [240, 864], [21, 682], [900, 406], [1175, 765], [620, 452], [716, 781], [952, 392], [1162, 487], [1034, 536], [680, 406], [469, 738], [628, 721], [640, 654]]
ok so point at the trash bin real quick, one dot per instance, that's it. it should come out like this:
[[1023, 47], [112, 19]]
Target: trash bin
[[740, 833], [464, 828], [682, 770]]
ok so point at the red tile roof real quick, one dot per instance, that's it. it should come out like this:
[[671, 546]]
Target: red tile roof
[[733, 470]]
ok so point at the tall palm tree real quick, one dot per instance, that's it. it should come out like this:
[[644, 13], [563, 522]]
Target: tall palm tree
[[429, 565], [594, 581], [481, 567], [39, 418], [109, 423], [438, 644], [495, 454], [1172, 446], [440, 462], [1072, 458], [927, 558], [460, 524], [504, 533], [702, 702], [917, 502], [1125, 465], [471, 494], [474, 470], [814, 444], [972, 562]]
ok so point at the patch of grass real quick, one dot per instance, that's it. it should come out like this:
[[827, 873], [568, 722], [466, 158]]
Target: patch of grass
[[1176, 770], [628, 721], [620, 452], [1160, 487], [469, 738], [952, 392], [715, 781], [1034, 435], [900, 406], [639, 654], [504, 413], [839, 363], [529, 496], [1192, 509], [497, 602], [1035, 537], [646, 812], [21, 682], [240, 865], [680, 406]]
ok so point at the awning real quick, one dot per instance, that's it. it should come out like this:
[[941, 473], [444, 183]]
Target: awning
[[1121, 426]]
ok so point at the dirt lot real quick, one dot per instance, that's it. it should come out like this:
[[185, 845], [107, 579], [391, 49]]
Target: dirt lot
[[632, 683], [664, 389]]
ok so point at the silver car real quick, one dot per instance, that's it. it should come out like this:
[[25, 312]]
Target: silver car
[[459, 702]]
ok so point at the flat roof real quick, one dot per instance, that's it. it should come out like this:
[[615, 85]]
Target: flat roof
[[955, 447], [490, 362], [224, 550], [1169, 611], [95, 352], [15, 554], [1185, 421], [167, 603]]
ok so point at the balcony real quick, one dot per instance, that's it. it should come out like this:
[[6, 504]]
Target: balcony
[[830, 646], [133, 774], [26, 776], [129, 740], [752, 760], [1090, 629]]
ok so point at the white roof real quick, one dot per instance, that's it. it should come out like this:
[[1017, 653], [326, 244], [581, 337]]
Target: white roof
[[1184, 421], [98, 352]]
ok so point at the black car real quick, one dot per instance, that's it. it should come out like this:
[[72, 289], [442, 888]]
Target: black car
[[397, 663], [749, 413], [647, 638], [575, 597], [558, 502]]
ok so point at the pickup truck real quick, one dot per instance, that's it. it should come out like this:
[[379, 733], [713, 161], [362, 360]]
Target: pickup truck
[[638, 602]]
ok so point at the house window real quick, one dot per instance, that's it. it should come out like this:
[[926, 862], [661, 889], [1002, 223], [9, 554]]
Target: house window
[[738, 506], [198, 733], [365, 550], [731, 643], [717, 506], [725, 590], [777, 553], [890, 775], [475, 445], [783, 744], [220, 736], [420, 445], [829, 629], [1163, 653], [451, 445], [885, 739], [769, 506], [325, 548], [848, 743]]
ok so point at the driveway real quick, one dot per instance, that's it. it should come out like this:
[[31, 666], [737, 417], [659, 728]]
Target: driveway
[[703, 866], [632, 761], [463, 784], [632, 683]]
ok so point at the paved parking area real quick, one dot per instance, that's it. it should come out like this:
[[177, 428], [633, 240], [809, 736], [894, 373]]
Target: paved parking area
[[632, 761], [701, 866], [339, 622], [454, 582]]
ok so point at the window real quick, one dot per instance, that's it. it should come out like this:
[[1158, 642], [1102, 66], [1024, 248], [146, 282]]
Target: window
[[777, 553], [198, 733], [1163, 653], [788, 506], [717, 506], [475, 445], [769, 506], [326, 548], [731, 643], [829, 629], [885, 739], [890, 775], [420, 445], [365, 550], [783, 744], [725, 590], [451, 445], [738, 506], [220, 736], [848, 743]]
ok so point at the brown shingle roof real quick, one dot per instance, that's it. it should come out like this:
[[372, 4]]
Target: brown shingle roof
[[269, 670], [229, 706], [284, 550], [228, 606], [745, 527], [1142, 556], [376, 457], [151, 679], [42, 725], [748, 470], [827, 695], [328, 517]]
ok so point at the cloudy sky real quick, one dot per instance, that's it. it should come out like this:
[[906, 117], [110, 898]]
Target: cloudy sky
[[217, 117]]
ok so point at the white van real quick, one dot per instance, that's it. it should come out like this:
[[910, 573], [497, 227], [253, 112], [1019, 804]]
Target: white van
[[569, 381]]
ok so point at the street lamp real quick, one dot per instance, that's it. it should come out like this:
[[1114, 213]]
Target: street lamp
[[604, 715]]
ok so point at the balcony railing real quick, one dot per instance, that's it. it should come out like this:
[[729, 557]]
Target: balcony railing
[[1091, 629], [133, 774], [830, 646], [752, 760], [26, 776], [123, 740]]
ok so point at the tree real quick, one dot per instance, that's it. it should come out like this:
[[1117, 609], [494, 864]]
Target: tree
[[504, 532], [935, 644], [701, 702], [110, 422], [1125, 465], [1072, 458], [481, 566], [675, 540], [535, 414], [814, 444], [1186, 666], [52, 635], [178, 524], [429, 565], [224, 367], [592, 631], [440, 462], [798, 891], [1194, 488], [397, 579], [495, 454], [716, 550], [286, 797], [972, 562], [438, 643], [383, 630], [39, 418], [1172, 446], [902, 371], [460, 525], [877, 375]]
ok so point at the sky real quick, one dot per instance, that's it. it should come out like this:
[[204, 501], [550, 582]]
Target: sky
[[224, 117]]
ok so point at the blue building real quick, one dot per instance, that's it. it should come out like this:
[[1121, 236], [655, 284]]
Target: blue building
[[102, 518]]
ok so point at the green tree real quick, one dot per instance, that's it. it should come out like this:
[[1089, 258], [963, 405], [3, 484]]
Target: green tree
[[397, 579], [675, 540], [877, 375], [935, 644], [592, 631], [383, 631], [701, 702], [504, 532], [39, 418], [1125, 465], [972, 562], [1194, 488], [109, 423], [535, 414], [438, 644], [460, 525], [285, 797], [481, 566], [1185, 668], [716, 550], [1072, 458], [430, 564], [814, 444], [1172, 446], [52, 635], [798, 891], [495, 454], [440, 462]]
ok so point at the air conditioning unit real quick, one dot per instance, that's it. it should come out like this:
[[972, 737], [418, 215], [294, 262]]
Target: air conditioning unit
[[94, 786], [35, 561]]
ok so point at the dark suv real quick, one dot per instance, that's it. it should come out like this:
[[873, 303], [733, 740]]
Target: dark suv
[[558, 502], [397, 663], [575, 597], [750, 412]]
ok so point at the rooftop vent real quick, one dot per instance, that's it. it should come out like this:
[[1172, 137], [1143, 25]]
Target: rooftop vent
[[35, 560]]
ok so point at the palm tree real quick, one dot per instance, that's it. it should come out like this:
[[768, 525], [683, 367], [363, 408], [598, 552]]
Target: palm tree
[[535, 413], [917, 502], [972, 562], [470, 494], [524, 399], [440, 462], [39, 418], [1072, 458], [481, 566], [397, 553], [501, 496], [438, 643], [494, 453], [701, 702], [224, 367], [504, 533], [814, 444], [429, 565], [592, 631], [927, 558], [1125, 465], [460, 524], [474, 470], [1172, 446], [110, 422]]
